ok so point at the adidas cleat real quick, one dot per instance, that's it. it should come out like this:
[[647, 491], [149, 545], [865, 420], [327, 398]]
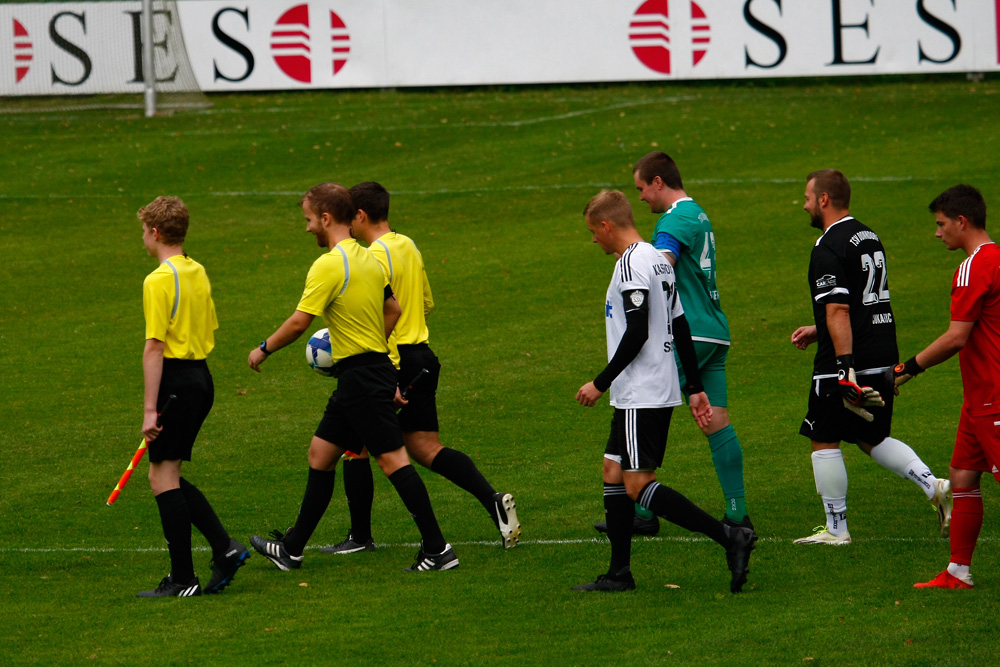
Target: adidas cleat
[[946, 580], [169, 589], [607, 583], [275, 551], [446, 560], [741, 544]]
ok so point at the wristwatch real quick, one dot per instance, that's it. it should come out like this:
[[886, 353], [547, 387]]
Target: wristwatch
[[263, 347]]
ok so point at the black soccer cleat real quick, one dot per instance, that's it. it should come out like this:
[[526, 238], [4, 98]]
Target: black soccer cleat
[[349, 546], [275, 551], [741, 544], [622, 581], [640, 526], [224, 569], [446, 560], [169, 589]]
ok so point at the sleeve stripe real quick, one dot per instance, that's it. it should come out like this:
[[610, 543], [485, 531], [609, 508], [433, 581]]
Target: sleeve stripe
[[347, 270], [388, 256], [177, 290], [835, 290]]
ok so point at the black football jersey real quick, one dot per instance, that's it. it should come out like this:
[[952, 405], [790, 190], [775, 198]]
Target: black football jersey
[[848, 266]]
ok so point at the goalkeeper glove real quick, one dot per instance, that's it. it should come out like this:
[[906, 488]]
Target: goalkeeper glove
[[856, 398], [902, 373]]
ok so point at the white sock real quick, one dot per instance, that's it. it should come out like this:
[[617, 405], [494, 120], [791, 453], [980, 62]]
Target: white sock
[[831, 484], [960, 572], [898, 457]]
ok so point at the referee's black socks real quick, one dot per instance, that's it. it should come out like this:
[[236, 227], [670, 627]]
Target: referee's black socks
[[359, 487], [319, 490], [412, 491], [676, 508], [204, 518], [458, 468], [176, 520]]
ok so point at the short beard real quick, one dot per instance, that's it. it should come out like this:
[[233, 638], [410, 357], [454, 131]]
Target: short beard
[[816, 221]]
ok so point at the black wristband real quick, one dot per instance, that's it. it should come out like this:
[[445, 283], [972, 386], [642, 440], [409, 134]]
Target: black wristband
[[844, 363], [909, 367], [263, 347]]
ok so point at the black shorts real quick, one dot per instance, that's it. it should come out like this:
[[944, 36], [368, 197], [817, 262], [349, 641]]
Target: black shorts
[[360, 413], [191, 383], [420, 414], [829, 421], [638, 437]]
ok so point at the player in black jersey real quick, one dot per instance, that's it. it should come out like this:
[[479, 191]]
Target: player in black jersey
[[856, 335]]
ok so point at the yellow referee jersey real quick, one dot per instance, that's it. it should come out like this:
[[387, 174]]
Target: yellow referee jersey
[[346, 287], [404, 266], [177, 302]]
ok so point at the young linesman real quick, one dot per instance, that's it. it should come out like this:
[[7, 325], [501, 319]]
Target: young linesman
[[180, 334], [349, 290], [404, 266]]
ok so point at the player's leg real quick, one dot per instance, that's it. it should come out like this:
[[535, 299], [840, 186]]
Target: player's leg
[[727, 452], [175, 518], [897, 456], [359, 487], [618, 512], [824, 425], [977, 449], [285, 549], [418, 420]]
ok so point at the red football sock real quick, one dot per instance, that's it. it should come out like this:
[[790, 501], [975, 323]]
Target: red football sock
[[966, 522]]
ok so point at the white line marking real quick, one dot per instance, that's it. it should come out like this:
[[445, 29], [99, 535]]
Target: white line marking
[[496, 543]]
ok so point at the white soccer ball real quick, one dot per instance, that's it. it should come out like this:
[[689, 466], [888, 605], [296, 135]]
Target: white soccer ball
[[318, 353]]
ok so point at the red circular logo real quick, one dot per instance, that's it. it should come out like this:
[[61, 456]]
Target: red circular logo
[[291, 43], [649, 34], [22, 50]]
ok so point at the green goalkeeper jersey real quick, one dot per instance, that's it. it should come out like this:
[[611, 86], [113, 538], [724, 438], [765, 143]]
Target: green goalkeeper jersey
[[686, 232]]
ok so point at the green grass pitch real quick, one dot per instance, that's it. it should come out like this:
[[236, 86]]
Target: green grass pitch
[[491, 184]]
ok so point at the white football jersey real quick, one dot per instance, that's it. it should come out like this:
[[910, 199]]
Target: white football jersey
[[650, 381]]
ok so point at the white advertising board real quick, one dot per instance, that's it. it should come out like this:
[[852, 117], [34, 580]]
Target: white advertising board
[[95, 47]]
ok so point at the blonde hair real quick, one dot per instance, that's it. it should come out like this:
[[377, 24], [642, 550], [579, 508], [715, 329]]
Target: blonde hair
[[610, 205], [169, 216]]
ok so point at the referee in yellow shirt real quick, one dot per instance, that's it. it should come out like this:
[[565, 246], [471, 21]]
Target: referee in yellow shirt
[[180, 334], [404, 266], [348, 289]]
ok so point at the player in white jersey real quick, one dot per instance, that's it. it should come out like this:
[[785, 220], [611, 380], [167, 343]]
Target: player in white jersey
[[644, 320]]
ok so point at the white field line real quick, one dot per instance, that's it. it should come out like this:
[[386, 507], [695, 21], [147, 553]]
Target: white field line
[[495, 543], [55, 196]]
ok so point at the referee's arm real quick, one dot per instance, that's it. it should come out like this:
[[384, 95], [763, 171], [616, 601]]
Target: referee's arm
[[286, 334]]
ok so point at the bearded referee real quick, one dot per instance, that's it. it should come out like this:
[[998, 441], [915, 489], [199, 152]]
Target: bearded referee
[[404, 266], [180, 334], [348, 289]]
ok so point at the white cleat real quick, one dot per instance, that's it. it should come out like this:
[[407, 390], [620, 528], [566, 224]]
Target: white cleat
[[943, 502], [822, 535], [505, 515]]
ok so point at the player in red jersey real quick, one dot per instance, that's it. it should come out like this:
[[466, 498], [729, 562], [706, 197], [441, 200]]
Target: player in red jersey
[[974, 333]]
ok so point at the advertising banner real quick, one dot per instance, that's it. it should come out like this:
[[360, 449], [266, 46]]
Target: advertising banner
[[95, 47]]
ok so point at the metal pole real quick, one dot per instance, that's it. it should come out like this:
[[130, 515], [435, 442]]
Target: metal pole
[[148, 67]]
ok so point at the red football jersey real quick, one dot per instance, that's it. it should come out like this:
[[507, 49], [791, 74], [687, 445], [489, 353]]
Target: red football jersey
[[975, 297]]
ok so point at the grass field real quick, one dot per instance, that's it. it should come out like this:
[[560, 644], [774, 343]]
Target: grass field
[[491, 185]]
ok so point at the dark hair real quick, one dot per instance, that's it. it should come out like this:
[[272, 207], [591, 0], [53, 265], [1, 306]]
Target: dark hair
[[963, 200], [659, 164], [610, 205], [373, 199], [834, 184], [331, 198], [169, 216]]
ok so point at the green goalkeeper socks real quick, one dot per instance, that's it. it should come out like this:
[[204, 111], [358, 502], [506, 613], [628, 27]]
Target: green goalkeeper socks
[[727, 455]]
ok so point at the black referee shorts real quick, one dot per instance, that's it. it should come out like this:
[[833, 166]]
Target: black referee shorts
[[360, 413], [191, 383], [829, 421], [638, 437], [420, 414]]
